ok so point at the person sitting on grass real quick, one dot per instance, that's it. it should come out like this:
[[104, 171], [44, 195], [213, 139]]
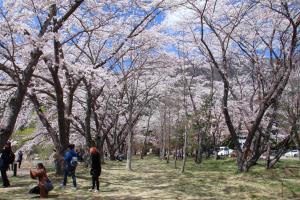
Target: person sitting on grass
[[95, 168], [44, 184], [120, 157]]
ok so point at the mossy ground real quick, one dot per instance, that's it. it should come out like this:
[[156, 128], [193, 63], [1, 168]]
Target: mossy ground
[[152, 178]]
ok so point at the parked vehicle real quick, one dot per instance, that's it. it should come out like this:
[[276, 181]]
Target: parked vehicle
[[292, 153], [224, 151]]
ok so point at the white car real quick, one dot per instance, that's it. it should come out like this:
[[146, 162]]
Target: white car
[[224, 151], [292, 153]]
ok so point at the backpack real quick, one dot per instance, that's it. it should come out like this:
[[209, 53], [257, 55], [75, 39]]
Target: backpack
[[48, 185], [74, 161], [72, 166]]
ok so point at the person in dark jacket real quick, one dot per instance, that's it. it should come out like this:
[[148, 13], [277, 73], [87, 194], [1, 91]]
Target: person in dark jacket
[[7, 158], [20, 158], [95, 168], [69, 157]]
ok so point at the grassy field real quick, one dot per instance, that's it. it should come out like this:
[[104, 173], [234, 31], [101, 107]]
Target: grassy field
[[152, 178]]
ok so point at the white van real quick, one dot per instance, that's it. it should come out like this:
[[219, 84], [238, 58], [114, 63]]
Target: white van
[[224, 151]]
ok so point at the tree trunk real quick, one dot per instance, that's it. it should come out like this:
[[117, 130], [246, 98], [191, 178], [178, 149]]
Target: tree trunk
[[268, 160], [111, 149], [15, 103], [129, 149], [88, 113], [296, 137], [175, 153], [11, 114], [112, 153], [144, 148], [163, 137], [200, 149], [184, 154], [284, 145], [216, 157], [59, 163], [241, 164], [169, 137], [130, 137], [59, 167], [100, 149], [169, 147], [145, 141]]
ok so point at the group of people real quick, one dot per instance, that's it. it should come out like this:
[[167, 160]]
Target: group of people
[[44, 183], [71, 158]]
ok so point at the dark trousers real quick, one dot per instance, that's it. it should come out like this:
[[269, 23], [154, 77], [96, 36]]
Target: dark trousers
[[72, 174], [35, 190], [4, 178], [20, 162], [95, 181]]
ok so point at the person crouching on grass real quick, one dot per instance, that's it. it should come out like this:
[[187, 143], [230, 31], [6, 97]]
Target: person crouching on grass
[[44, 184], [95, 168]]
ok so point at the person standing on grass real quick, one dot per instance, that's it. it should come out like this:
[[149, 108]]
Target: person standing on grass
[[7, 158], [70, 166], [95, 168], [20, 158]]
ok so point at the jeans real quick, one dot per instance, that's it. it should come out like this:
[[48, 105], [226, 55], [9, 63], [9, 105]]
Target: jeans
[[20, 162], [66, 173]]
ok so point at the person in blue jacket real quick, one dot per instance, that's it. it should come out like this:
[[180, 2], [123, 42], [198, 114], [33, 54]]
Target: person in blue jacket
[[70, 158]]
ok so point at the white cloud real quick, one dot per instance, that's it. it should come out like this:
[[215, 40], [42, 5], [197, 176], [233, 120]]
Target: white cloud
[[177, 16]]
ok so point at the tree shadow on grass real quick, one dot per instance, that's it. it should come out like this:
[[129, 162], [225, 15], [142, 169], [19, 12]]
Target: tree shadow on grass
[[154, 179], [108, 190], [125, 198], [84, 177]]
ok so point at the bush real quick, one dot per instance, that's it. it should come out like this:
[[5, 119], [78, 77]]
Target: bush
[[44, 152]]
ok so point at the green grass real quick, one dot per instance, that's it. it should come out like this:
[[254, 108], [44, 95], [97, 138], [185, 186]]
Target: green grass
[[25, 132], [152, 178], [22, 135], [43, 152]]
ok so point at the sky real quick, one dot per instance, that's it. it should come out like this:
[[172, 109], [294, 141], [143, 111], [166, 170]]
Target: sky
[[177, 16]]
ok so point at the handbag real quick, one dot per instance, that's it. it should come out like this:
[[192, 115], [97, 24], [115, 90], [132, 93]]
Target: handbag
[[48, 185]]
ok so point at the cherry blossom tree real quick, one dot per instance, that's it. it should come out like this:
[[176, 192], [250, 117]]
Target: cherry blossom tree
[[25, 33], [237, 39]]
